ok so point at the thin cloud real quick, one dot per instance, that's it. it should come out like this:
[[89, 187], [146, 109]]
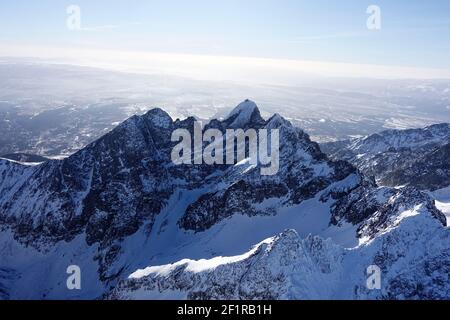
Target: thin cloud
[[220, 68], [108, 27], [304, 39]]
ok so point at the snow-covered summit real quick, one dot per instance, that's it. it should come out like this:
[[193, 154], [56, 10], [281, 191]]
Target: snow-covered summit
[[245, 109], [159, 118], [245, 113]]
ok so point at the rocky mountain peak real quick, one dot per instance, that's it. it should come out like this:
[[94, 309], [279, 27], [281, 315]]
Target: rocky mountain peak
[[277, 121], [159, 118], [244, 115]]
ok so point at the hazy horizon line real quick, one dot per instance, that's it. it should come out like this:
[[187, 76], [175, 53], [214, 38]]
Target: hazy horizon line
[[219, 67]]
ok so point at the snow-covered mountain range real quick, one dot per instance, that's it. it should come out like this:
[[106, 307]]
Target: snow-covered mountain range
[[415, 157], [139, 226]]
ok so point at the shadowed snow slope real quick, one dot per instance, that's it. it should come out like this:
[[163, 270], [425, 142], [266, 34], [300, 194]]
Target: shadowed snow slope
[[414, 258]]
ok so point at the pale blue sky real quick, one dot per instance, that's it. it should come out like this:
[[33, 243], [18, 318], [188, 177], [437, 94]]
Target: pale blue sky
[[414, 32]]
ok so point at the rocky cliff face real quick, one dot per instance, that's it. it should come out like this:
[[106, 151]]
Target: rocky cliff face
[[125, 177], [303, 172], [430, 171]]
